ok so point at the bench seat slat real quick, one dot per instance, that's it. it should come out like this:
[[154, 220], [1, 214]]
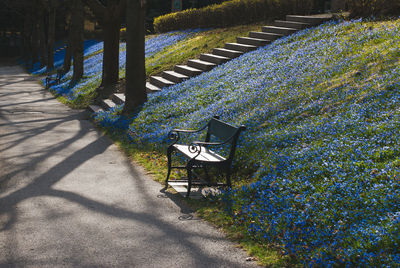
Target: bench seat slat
[[206, 155]]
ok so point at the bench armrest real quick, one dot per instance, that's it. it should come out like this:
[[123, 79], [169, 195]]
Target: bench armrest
[[174, 134]]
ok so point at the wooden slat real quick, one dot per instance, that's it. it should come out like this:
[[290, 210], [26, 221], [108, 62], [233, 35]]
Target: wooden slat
[[206, 155]]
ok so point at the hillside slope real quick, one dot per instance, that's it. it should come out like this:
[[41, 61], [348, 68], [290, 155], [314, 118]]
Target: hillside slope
[[322, 111], [163, 51], [81, 94]]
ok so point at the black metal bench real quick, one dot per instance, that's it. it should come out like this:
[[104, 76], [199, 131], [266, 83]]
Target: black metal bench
[[57, 78], [199, 154]]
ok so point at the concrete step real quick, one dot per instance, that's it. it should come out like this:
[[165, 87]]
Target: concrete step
[[252, 41], [214, 58], [187, 70], [278, 30], [227, 52], [118, 98], [95, 108], [313, 20], [107, 104], [174, 76], [202, 65], [266, 36], [239, 47], [151, 88], [291, 24], [160, 82]]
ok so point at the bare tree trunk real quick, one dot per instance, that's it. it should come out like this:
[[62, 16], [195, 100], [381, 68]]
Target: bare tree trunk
[[68, 51], [76, 30], [111, 54], [35, 39], [51, 36], [68, 47], [135, 90], [26, 38], [109, 17], [42, 38]]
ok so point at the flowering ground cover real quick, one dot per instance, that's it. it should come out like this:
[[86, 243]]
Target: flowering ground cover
[[81, 93], [322, 142], [202, 42]]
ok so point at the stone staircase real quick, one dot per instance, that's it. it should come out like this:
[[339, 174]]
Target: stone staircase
[[208, 61]]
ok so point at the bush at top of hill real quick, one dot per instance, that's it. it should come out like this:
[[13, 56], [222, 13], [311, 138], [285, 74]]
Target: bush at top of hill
[[231, 13], [377, 8], [322, 110]]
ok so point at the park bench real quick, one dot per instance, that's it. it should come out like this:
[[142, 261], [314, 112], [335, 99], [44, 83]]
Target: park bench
[[56, 78], [198, 154]]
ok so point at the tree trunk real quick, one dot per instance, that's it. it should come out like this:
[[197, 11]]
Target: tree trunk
[[135, 89], [68, 51], [42, 38], [76, 30], [111, 54], [26, 39], [35, 39], [51, 36], [109, 17]]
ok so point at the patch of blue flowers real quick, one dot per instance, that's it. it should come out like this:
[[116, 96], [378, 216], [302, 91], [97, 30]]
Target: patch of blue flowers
[[93, 58], [59, 54], [322, 111]]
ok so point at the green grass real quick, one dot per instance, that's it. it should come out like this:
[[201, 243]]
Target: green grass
[[179, 53], [191, 48]]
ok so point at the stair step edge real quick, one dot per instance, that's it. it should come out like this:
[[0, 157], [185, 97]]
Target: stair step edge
[[202, 62], [95, 108], [162, 79], [118, 98], [150, 88]]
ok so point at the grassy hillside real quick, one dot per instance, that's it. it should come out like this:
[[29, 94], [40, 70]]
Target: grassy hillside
[[190, 48], [322, 111], [163, 51]]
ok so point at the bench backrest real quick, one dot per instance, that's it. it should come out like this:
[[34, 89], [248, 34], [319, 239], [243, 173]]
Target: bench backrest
[[224, 131]]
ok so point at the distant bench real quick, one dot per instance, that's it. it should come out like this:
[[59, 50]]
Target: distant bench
[[56, 78], [199, 155]]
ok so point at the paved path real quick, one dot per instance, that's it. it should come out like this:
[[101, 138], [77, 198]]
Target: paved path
[[69, 198]]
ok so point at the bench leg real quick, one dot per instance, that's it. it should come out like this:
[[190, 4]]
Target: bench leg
[[208, 179], [169, 152], [189, 167], [189, 174], [228, 177]]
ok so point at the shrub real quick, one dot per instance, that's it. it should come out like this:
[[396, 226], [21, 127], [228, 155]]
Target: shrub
[[231, 13], [377, 8]]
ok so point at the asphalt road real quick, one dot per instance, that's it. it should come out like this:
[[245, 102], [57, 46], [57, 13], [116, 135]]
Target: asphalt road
[[69, 198]]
